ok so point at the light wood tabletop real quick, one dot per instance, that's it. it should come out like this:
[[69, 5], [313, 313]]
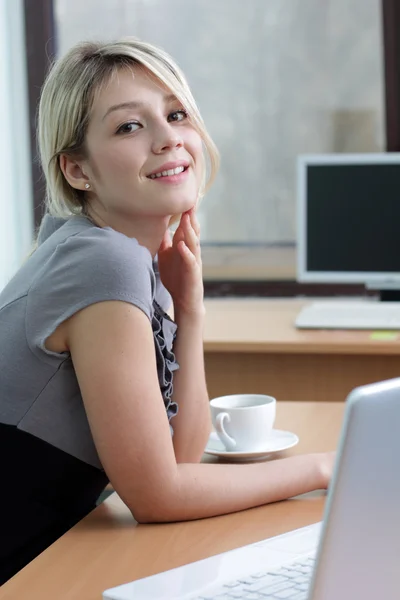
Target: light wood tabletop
[[252, 346], [267, 324], [109, 548]]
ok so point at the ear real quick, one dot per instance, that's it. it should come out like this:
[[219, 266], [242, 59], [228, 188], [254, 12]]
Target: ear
[[73, 172]]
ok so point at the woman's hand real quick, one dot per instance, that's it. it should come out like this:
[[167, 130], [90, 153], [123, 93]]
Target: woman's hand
[[179, 263]]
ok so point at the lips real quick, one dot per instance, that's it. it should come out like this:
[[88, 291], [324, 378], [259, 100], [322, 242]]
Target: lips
[[169, 173], [162, 170]]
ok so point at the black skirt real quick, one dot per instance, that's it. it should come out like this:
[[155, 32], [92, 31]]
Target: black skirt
[[44, 492]]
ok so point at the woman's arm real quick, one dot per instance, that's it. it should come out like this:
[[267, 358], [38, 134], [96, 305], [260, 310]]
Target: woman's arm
[[112, 349], [192, 424], [179, 262], [207, 490]]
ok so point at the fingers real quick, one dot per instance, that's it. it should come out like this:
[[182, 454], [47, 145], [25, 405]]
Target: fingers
[[187, 255], [187, 238], [192, 239], [193, 221]]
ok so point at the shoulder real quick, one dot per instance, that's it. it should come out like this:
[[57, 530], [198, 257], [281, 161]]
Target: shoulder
[[95, 264], [106, 245]]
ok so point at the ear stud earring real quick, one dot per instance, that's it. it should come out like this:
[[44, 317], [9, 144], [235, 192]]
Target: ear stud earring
[[87, 186]]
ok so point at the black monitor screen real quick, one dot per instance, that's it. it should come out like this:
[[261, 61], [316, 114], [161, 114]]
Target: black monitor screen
[[353, 218]]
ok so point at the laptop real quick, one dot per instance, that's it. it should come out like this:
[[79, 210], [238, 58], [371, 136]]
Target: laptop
[[354, 554]]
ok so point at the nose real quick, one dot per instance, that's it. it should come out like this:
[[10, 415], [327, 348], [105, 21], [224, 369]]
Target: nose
[[166, 138]]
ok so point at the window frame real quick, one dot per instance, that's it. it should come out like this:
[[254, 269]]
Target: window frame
[[41, 48], [40, 43]]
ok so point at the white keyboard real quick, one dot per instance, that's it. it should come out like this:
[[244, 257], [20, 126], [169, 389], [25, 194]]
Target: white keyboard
[[350, 315], [290, 581]]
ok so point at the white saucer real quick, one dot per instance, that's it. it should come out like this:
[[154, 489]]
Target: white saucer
[[278, 441]]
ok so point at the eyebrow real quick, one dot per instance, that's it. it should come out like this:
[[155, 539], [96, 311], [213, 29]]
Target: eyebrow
[[124, 105]]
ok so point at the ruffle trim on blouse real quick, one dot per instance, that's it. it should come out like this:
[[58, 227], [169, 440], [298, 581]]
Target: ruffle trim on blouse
[[164, 330]]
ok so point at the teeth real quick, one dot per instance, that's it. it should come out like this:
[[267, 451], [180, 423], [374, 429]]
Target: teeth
[[168, 173]]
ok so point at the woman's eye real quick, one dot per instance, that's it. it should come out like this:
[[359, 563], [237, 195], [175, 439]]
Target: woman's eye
[[177, 115], [128, 127]]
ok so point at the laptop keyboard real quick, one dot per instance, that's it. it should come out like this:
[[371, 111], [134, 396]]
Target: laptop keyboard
[[289, 582]]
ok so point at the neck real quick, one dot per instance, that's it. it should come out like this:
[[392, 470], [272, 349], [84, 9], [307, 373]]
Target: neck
[[148, 231]]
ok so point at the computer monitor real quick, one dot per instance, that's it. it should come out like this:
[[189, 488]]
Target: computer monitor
[[348, 219]]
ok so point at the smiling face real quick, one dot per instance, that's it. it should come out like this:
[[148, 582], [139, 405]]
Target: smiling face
[[144, 157]]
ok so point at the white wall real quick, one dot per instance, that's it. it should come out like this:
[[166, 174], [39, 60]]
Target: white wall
[[16, 215]]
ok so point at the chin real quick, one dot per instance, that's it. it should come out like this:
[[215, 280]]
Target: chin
[[179, 206]]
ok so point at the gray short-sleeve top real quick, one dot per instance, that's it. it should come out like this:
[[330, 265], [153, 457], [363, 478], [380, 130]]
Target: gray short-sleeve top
[[76, 264]]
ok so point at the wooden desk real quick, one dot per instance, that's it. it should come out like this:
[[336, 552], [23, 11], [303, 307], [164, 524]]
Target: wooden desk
[[251, 345], [108, 548]]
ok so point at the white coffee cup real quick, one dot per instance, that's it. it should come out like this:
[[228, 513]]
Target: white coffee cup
[[243, 422]]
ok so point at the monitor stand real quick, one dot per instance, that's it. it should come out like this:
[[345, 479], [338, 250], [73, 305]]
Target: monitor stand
[[389, 291]]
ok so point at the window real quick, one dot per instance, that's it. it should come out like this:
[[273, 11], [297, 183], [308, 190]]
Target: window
[[15, 197], [273, 80]]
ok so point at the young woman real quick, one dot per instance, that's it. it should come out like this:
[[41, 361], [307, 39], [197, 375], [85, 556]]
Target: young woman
[[97, 382]]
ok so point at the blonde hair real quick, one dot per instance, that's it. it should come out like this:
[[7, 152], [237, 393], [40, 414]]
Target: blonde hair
[[67, 98]]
